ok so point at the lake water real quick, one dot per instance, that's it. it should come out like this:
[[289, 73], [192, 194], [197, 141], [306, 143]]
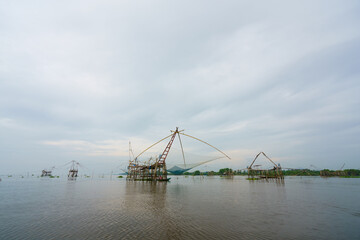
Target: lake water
[[185, 208]]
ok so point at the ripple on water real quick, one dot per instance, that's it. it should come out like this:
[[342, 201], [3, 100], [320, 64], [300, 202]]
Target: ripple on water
[[185, 208]]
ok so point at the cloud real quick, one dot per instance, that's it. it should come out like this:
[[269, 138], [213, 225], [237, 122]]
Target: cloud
[[277, 77], [104, 148], [7, 122]]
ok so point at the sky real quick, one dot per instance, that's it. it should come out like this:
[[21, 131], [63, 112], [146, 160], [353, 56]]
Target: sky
[[80, 79]]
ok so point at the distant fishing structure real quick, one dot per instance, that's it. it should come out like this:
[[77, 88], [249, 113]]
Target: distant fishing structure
[[73, 172], [275, 172], [47, 173], [155, 168]]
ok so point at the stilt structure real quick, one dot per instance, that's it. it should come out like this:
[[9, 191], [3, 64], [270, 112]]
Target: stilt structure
[[331, 173], [73, 172], [155, 169], [275, 172], [46, 173]]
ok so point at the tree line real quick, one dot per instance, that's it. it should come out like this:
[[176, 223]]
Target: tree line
[[290, 172]]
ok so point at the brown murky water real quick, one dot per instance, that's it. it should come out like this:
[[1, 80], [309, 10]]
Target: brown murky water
[[185, 208]]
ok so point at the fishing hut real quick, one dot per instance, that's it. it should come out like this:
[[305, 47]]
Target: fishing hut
[[332, 173], [46, 173], [273, 173], [147, 171], [155, 168], [73, 172]]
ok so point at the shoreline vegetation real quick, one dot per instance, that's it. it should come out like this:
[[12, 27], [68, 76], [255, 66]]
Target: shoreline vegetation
[[346, 173]]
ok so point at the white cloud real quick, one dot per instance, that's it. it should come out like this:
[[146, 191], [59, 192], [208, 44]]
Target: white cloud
[[280, 78]]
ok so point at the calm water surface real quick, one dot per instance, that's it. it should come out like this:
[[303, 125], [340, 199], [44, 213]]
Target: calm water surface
[[185, 208]]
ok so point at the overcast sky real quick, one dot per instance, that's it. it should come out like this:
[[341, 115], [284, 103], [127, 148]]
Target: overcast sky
[[79, 79]]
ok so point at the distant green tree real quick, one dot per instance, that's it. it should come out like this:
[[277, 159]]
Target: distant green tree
[[352, 172], [225, 171]]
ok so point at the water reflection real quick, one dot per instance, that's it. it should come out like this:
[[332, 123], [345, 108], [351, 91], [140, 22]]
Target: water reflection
[[147, 203], [185, 208], [277, 181], [150, 194]]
